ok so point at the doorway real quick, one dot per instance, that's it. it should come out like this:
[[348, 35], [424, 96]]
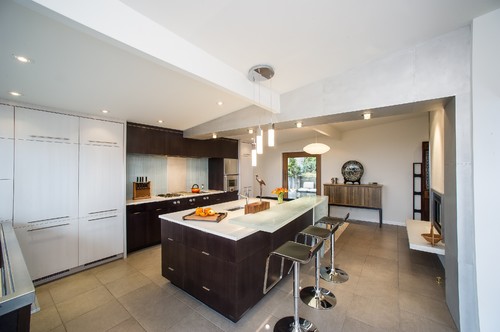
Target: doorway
[[301, 174]]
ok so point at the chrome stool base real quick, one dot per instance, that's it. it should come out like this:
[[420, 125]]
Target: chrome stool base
[[286, 324], [337, 276], [323, 299]]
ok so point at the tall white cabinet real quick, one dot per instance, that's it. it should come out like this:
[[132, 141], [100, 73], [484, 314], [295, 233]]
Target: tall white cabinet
[[7, 163], [101, 190], [46, 190], [68, 190]]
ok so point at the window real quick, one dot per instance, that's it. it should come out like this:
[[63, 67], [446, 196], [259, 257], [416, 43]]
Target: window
[[301, 174]]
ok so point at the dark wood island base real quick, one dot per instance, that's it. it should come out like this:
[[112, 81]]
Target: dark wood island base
[[225, 274]]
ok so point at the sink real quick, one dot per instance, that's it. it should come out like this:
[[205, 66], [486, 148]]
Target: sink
[[235, 208]]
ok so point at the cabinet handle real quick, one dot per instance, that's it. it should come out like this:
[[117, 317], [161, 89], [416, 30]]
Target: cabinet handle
[[206, 288], [42, 228], [170, 239], [103, 211], [50, 137], [102, 142], [49, 219], [103, 218], [170, 269], [159, 209], [137, 212], [205, 253]]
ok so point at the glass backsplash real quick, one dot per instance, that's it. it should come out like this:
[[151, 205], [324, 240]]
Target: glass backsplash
[[156, 169]]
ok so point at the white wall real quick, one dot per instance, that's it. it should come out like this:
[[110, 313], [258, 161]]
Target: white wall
[[436, 150], [486, 137], [387, 153]]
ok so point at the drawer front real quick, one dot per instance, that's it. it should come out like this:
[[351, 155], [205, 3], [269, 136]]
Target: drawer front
[[173, 262]]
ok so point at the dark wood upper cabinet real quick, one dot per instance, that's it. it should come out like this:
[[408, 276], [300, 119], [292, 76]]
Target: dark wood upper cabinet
[[162, 141]]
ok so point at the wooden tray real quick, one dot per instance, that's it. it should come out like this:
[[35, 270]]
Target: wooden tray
[[215, 218]]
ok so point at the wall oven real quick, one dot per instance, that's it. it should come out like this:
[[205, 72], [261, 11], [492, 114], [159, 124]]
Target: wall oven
[[231, 182]]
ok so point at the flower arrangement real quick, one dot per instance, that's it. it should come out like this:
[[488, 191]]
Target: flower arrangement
[[280, 192]]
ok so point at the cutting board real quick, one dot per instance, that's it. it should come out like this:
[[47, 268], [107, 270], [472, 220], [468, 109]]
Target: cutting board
[[215, 218]]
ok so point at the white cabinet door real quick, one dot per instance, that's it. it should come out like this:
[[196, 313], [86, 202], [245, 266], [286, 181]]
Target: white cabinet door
[[101, 236], [101, 132], [49, 248], [101, 171], [45, 126], [6, 200], [6, 162], [101, 190], [45, 182], [6, 121], [6, 142]]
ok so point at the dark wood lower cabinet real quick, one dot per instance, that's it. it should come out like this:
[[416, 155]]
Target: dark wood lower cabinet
[[143, 222], [224, 274]]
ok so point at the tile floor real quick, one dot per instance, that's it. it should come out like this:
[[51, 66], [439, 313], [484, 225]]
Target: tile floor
[[391, 288]]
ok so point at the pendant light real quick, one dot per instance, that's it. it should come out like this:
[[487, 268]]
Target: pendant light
[[316, 148], [270, 135], [254, 155], [258, 74]]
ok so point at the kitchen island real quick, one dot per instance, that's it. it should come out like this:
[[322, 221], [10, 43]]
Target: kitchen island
[[222, 264]]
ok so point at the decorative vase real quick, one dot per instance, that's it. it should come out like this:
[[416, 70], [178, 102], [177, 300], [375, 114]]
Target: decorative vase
[[280, 197]]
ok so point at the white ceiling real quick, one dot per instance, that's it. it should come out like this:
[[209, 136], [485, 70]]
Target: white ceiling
[[136, 68]]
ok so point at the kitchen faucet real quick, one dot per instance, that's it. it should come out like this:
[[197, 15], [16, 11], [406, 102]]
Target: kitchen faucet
[[245, 197]]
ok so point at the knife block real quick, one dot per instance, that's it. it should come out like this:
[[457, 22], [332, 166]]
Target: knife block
[[142, 190]]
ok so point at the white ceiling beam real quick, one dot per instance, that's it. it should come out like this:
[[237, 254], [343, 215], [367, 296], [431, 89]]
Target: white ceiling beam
[[114, 19]]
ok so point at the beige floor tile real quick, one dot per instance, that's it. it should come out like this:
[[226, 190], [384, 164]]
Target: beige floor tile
[[422, 284], [387, 253], [194, 322], [129, 325], [374, 287], [354, 325], [43, 296], [60, 328], [414, 323], [127, 284], [114, 271], [101, 318], [83, 303], [424, 306], [46, 319], [380, 312], [69, 287]]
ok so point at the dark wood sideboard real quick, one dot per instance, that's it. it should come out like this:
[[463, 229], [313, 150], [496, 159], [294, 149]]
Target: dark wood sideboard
[[363, 196]]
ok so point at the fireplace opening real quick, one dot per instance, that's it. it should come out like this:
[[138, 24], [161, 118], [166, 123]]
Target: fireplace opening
[[437, 211]]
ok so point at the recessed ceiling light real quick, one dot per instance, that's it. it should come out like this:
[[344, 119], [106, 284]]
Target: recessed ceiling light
[[299, 124], [220, 103], [22, 59], [104, 111], [15, 93], [160, 121]]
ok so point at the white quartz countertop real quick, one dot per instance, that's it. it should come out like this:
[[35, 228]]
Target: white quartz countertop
[[185, 194], [237, 225]]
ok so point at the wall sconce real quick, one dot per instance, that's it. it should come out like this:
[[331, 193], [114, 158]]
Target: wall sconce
[[367, 116], [299, 124], [214, 135], [250, 131]]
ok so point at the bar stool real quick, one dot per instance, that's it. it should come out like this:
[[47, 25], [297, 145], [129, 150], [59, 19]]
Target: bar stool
[[331, 273], [315, 296], [298, 253]]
